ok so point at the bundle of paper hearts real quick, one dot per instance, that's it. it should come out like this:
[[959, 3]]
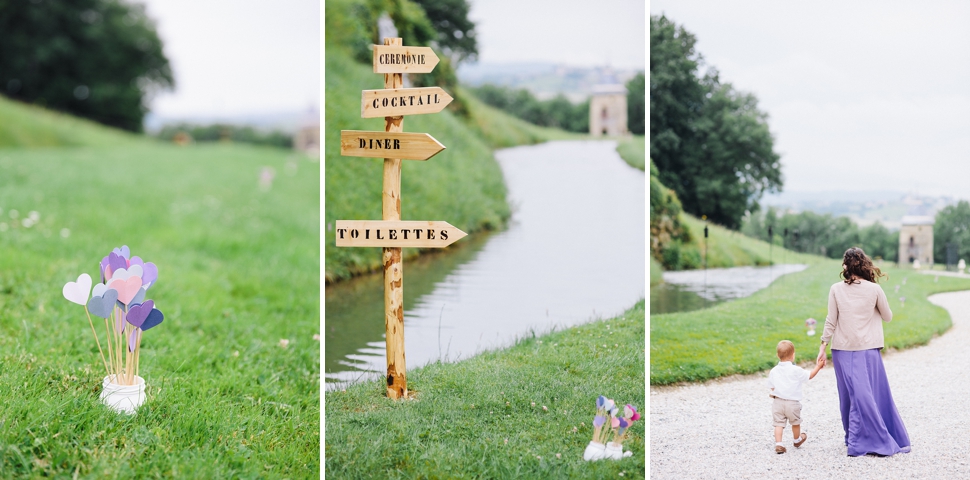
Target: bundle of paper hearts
[[120, 300], [607, 411]]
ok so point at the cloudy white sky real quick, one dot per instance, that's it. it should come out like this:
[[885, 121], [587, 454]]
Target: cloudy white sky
[[571, 32], [239, 58], [870, 95]]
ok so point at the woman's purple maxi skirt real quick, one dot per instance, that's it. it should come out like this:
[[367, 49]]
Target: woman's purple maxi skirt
[[869, 416]]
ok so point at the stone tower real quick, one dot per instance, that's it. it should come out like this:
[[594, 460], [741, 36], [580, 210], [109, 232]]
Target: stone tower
[[607, 110], [916, 240]]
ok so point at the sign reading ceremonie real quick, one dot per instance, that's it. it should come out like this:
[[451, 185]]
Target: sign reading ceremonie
[[393, 145]]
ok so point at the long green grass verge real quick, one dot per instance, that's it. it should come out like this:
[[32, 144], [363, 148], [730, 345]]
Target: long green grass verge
[[521, 412], [740, 336], [28, 126], [501, 130], [238, 271], [729, 248], [634, 151]]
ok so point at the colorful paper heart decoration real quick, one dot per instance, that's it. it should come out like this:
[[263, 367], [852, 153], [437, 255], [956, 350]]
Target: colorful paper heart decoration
[[123, 250], [99, 290], [104, 266], [133, 340], [138, 313], [155, 317], [600, 401], [598, 421], [125, 273], [102, 305], [127, 288], [615, 422], [140, 296], [77, 292], [115, 262], [150, 275]]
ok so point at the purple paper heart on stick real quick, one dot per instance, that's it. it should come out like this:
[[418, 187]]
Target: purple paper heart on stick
[[115, 262], [133, 340], [102, 306], [136, 260], [104, 265], [138, 313], [154, 318], [124, 251], [150, 273], [598, 421]]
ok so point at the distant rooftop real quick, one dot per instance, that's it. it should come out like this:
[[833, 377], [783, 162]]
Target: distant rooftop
[[918, 220], [608, 88]]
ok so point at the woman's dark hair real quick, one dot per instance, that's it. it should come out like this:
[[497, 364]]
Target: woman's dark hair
[[858, 264]]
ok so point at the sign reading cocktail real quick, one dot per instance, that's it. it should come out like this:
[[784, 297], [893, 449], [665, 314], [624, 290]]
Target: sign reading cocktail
[[393, 145]]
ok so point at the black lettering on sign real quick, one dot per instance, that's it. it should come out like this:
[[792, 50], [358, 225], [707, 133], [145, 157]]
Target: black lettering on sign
[[417, 233], [430, 234], [392, 234], [354, 233], [363, 143], [367, 234], [397, 144], [379, 234], [341, 231], [375, 103], [405, 232], [444, 234]]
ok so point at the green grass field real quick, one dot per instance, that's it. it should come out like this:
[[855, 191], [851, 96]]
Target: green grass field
[[740, 336], [729, 248], [484, 417], [238, 271]]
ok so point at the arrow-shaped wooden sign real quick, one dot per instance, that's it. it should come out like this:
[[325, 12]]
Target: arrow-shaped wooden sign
[[388, 59], [387, 233], [402, 101], [407, 146]]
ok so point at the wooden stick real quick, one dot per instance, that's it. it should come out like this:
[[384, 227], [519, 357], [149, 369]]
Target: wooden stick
[[95, 332], [393, 271], [138, 352], [111, 353]]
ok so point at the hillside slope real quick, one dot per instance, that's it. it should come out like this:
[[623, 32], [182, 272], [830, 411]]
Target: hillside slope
[[27, 126]]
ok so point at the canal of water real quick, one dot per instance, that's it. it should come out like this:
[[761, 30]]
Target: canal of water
[[574, 251], [696, 289]]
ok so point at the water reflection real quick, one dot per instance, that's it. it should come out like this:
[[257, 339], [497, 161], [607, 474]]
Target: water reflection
[[574, 251], [696, 289]]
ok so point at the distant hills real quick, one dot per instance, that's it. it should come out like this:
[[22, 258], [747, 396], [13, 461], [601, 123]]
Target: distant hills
[[864, 208], [544, 80]]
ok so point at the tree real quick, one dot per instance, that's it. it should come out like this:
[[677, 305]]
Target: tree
[[709, 141], [456, 33], [98, 59], [952, 226], [636, 104]]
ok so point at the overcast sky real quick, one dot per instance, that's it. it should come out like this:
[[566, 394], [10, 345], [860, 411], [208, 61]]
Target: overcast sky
[[862, 95], [571, 32], [239, 57]]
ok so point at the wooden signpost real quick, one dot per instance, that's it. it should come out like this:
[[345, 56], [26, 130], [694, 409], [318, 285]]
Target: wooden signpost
[[393, 145]]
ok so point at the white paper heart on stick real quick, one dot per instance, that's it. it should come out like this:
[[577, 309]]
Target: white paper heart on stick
[[77, 292], [99, 290], [126, 273]]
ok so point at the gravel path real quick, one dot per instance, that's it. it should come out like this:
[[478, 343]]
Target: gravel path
[[722, 429]]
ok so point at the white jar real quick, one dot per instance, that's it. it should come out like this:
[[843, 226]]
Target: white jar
[[594, 451], [123, 398]]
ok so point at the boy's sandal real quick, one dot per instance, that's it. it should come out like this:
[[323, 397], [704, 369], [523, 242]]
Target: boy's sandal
[[801, 440], [779, 449]]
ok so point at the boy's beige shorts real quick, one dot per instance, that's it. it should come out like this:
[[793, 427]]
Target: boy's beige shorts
[[783, 410]]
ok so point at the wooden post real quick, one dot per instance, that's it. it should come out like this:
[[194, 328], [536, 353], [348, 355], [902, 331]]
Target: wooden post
[[397, 386]]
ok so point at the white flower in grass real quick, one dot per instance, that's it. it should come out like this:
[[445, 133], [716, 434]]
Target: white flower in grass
[[316, 336], [544, 409], [558, 455], [284, 343]]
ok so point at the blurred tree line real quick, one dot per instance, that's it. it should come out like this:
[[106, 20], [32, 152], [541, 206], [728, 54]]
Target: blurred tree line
[[952, 227], [709, 141], [557, 112], [224, 132], [97, 59], [442, 25], [824, 235]]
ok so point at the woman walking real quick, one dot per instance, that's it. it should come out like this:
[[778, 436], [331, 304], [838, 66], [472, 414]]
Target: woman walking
[[857, 308]]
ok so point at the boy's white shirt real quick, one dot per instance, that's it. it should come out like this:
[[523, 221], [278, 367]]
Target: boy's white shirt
[[787, 380]]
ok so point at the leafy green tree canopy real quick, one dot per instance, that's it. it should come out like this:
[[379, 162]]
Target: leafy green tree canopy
[[456, 33], [709, 141], [98, 59], [952, 227], [636, 104]]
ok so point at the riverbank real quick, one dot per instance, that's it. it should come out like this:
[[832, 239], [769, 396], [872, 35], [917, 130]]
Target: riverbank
[[923, 390], [739, 337], [633, 151], [501, 414]]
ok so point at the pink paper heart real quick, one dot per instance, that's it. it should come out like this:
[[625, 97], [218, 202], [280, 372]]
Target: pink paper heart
[[77, 292], [127, 288], [615, 422]]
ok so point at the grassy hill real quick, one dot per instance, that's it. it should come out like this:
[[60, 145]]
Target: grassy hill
[[28, 126], [238, 271]]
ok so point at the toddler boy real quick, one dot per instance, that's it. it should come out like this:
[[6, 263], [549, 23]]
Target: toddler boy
[[786, 380]]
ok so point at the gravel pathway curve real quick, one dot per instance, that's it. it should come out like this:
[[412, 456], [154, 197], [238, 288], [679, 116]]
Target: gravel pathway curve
[[722, 429]]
